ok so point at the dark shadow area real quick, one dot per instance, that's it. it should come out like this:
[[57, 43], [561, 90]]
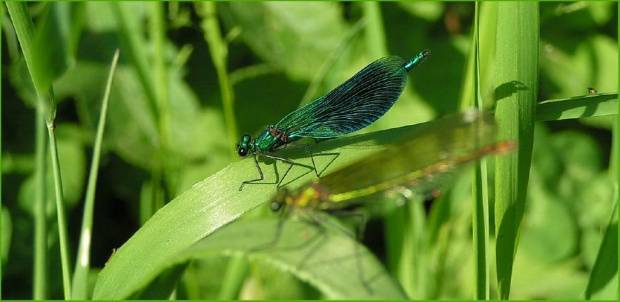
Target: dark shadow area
[[507, 89]]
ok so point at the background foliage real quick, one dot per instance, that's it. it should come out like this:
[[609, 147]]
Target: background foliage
[[233, 68]]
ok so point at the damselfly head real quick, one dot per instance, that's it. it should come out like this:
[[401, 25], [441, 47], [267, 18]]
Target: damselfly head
[[244, 145]]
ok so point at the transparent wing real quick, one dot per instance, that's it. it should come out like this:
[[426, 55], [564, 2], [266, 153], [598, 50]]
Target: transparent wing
[[423, 162]]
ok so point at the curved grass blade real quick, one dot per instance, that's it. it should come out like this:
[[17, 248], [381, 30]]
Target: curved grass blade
[[82, 266], [24, 28]]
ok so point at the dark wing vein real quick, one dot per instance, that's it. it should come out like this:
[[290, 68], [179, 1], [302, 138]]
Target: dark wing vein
[[353, 105]]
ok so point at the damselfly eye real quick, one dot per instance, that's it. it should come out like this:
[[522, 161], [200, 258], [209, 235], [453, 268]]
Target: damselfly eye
[[242, 152]]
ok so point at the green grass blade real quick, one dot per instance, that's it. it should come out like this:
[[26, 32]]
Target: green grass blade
[[219, 55], [577, 107], [133, 48], [82, 265], [7, 234], [24, 28], [234, 277], [516, 94], [606, 264], [480, 211], [40, 247], [60, 212], [160, 71], [375, 33], [216, 201]]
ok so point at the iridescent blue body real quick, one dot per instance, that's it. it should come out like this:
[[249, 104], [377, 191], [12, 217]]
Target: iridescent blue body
[[352, 106]]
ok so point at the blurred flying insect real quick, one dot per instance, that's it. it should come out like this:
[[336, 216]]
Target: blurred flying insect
[[421, 164]]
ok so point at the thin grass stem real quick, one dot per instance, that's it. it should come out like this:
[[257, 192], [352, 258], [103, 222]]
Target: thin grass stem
[[82, 266]]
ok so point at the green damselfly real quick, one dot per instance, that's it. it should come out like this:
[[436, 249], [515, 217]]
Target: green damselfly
[[353, 105]]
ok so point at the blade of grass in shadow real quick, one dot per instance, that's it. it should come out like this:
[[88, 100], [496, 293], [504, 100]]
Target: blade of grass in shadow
[[471, 95], [160, 70], [216, 201], [606, 264], [161, 84], [515, 94], [40, 247], [577, 107], [133, 48], [82, 263], [24, 28], [218, 50], [480, 211]]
